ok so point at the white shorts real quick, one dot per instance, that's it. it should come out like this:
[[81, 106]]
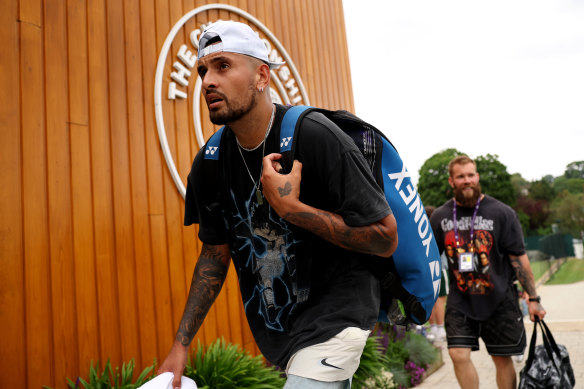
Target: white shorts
[[336, 359]]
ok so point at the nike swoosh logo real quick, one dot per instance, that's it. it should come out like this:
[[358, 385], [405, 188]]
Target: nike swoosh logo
[[329, 365]]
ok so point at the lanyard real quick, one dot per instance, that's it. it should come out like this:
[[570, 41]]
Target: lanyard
[[472, 222]]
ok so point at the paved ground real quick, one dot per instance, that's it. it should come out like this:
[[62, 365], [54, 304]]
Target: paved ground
[[565, 317]]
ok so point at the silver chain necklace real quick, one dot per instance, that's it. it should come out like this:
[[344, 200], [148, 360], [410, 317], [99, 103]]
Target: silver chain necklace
[[239, 147]]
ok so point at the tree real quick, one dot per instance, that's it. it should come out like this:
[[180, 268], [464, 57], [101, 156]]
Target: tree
[[572, 185], [433, 184], [495, 180], [548, 178], [541, 190], [568, 211], [520, 185], [523, 220], [538, 214], [575, 170]]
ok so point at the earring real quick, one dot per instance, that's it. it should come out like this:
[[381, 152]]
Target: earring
[[261, 89]]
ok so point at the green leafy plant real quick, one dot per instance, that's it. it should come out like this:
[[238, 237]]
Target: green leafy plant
[[372, 371], [419, 350], [396, 353], [401, 377], [407, 354], [224, 366], [112, 378]]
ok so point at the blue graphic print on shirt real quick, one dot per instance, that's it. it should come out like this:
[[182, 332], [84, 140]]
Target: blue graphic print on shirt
[[265, 255]]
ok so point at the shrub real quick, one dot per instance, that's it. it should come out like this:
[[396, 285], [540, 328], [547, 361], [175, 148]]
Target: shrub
[[372, 371], [420, 350], [408, 354], [224, 366], [112, 378]]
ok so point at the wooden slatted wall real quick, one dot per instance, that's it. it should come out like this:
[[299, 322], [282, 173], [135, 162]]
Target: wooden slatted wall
[[95, 261]]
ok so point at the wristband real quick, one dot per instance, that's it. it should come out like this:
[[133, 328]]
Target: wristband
[[535, 299]]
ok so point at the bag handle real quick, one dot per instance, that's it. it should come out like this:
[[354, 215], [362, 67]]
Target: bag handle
[[549, 343], [548, 347], [550, 338], [531, 353], [552, 347]]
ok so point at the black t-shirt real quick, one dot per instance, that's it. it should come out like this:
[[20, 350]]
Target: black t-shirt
[[497, 234], [297, 288]]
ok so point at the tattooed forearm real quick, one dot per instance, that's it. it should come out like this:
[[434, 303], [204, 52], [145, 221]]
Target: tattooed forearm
[[373, 239], [208, 278], [524, 274]]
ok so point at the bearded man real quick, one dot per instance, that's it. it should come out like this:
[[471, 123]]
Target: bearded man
[[492, 312]]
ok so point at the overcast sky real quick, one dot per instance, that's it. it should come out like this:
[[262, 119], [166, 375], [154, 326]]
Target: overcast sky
[[498, 77]]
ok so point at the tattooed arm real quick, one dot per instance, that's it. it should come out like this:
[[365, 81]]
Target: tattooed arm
[[283, 192], [525, 277], [208, 278]]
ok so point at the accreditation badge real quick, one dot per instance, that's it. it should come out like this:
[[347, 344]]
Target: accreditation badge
[[466, 262]]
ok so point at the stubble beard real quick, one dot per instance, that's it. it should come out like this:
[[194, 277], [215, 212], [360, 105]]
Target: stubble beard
[[235, 111], [470, 200]]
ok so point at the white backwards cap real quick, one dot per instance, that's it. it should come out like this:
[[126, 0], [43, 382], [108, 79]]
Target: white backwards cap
[[234, 37]]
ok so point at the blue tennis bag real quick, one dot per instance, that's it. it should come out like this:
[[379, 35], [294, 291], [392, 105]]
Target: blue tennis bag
[[412, 274]]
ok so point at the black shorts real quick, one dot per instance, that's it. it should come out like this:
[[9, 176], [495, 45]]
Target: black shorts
[[503, 332]]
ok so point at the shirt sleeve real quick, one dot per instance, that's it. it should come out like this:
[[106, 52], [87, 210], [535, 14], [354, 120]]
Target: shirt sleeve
[[340, 172], [203, 206], [512, 241], [437, 229]]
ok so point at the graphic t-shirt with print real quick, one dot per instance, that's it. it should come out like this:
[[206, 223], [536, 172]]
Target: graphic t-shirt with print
[[497, 234]]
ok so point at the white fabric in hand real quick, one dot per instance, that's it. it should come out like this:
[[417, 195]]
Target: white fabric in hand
[[164, 381]]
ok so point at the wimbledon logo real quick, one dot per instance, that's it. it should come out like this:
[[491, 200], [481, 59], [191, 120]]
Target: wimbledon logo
[[286, 85]]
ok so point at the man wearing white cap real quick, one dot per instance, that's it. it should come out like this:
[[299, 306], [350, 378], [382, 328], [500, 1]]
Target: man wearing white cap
[[298, 240]]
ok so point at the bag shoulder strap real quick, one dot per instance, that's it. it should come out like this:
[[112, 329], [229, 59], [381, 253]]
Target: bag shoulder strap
[[290, 122], [212, 167], [213, 144]]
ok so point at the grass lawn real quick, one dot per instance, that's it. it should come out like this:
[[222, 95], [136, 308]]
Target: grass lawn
[[570, 272], [539, 267]]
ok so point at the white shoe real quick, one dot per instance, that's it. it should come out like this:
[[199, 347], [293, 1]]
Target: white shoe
[[440, 334]]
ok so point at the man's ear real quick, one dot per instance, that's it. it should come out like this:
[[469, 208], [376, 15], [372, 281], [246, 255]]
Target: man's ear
[[450, 182], [262, 76]]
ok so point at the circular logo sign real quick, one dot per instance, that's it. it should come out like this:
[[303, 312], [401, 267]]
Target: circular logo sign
[[286, 85]]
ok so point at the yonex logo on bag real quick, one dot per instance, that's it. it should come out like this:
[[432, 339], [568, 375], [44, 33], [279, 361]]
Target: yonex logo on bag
[[285, 141], [212, 152], [411, 199], [410, 196], [435, 270]]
